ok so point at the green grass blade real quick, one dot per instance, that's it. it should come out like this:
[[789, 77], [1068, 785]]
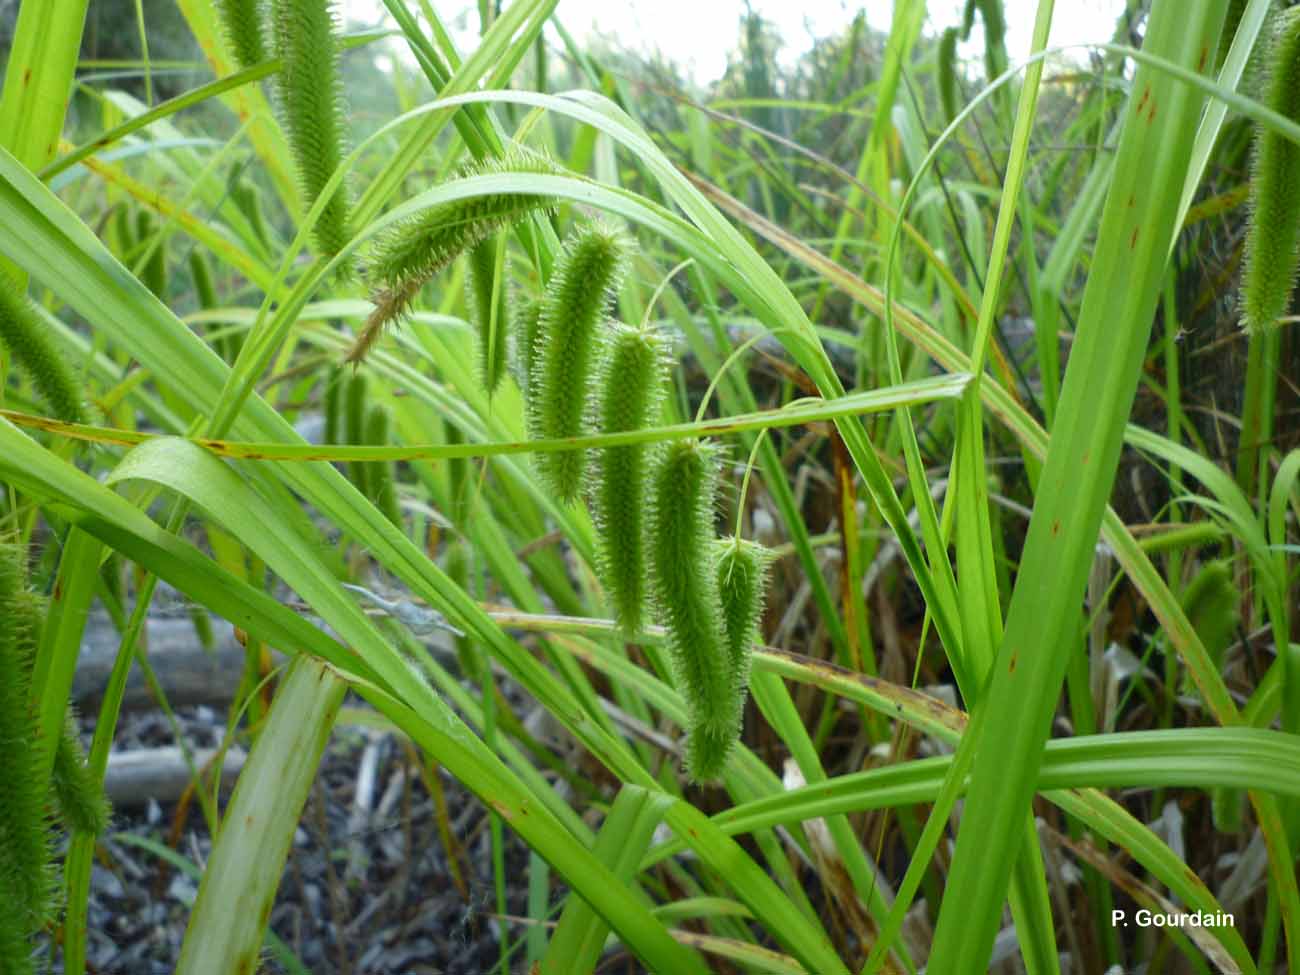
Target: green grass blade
[[624, 837], [1111, 337], [1131, 555], [248, 856], [919, 392], [60, 643], [39, 78]]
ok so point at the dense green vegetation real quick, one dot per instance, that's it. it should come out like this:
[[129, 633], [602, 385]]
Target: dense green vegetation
[[906, 428]]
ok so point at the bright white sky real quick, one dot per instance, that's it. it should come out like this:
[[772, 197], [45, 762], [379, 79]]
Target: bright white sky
[[698, 34]]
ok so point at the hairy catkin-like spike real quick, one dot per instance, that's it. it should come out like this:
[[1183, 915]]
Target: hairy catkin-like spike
[[523, 333], [79, 797], [25, 870], [28, 340], [742, 568], [383, 491], [15, 950], [311, 107], [630, 391], [424, 245], [1273, 236], [680, 536], [241, 22], [419, 248], [486, 298], [574, 306]]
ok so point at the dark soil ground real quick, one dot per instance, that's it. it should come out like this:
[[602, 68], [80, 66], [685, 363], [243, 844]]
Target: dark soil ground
[[369, 892]]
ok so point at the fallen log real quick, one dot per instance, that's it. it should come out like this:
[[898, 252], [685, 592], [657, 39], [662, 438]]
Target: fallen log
[[188, 673], [136, 776]]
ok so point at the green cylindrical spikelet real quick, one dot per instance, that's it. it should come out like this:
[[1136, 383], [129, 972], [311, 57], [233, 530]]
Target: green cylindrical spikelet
[[24, 826], [488, 315], [205, 292], [311, 107], [995, 29], [248, 198], [355, 429], [456, 563], [574, 306], [332, 405], [241, 22], [1273, 236], [28, 340], [202, 623], [154, 272], [1211, 603], [1227, 809], [948, 93], [80, 798], [458, 471], [419, 248], [112, 574], [124, 229], [630, 390], [742, 569], [995, 21], [685, 585], [383, 492], [205, 296]]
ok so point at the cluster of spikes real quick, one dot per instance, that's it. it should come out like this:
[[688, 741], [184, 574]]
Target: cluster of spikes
[[654, 507], [33, 783], [580, 371], [1272, 253], [309, 94]]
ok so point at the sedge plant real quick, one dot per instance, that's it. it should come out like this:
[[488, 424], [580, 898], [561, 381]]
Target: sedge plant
[[547, 482]]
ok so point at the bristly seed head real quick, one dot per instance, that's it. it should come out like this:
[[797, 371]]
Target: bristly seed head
[[25, 864], [241, 23], [305, 34], [631, 389], [1273, 235], [527, 314], [77, 791], [682, 573], [417, 249], [574, 307], [28, 340], [742, 569]]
